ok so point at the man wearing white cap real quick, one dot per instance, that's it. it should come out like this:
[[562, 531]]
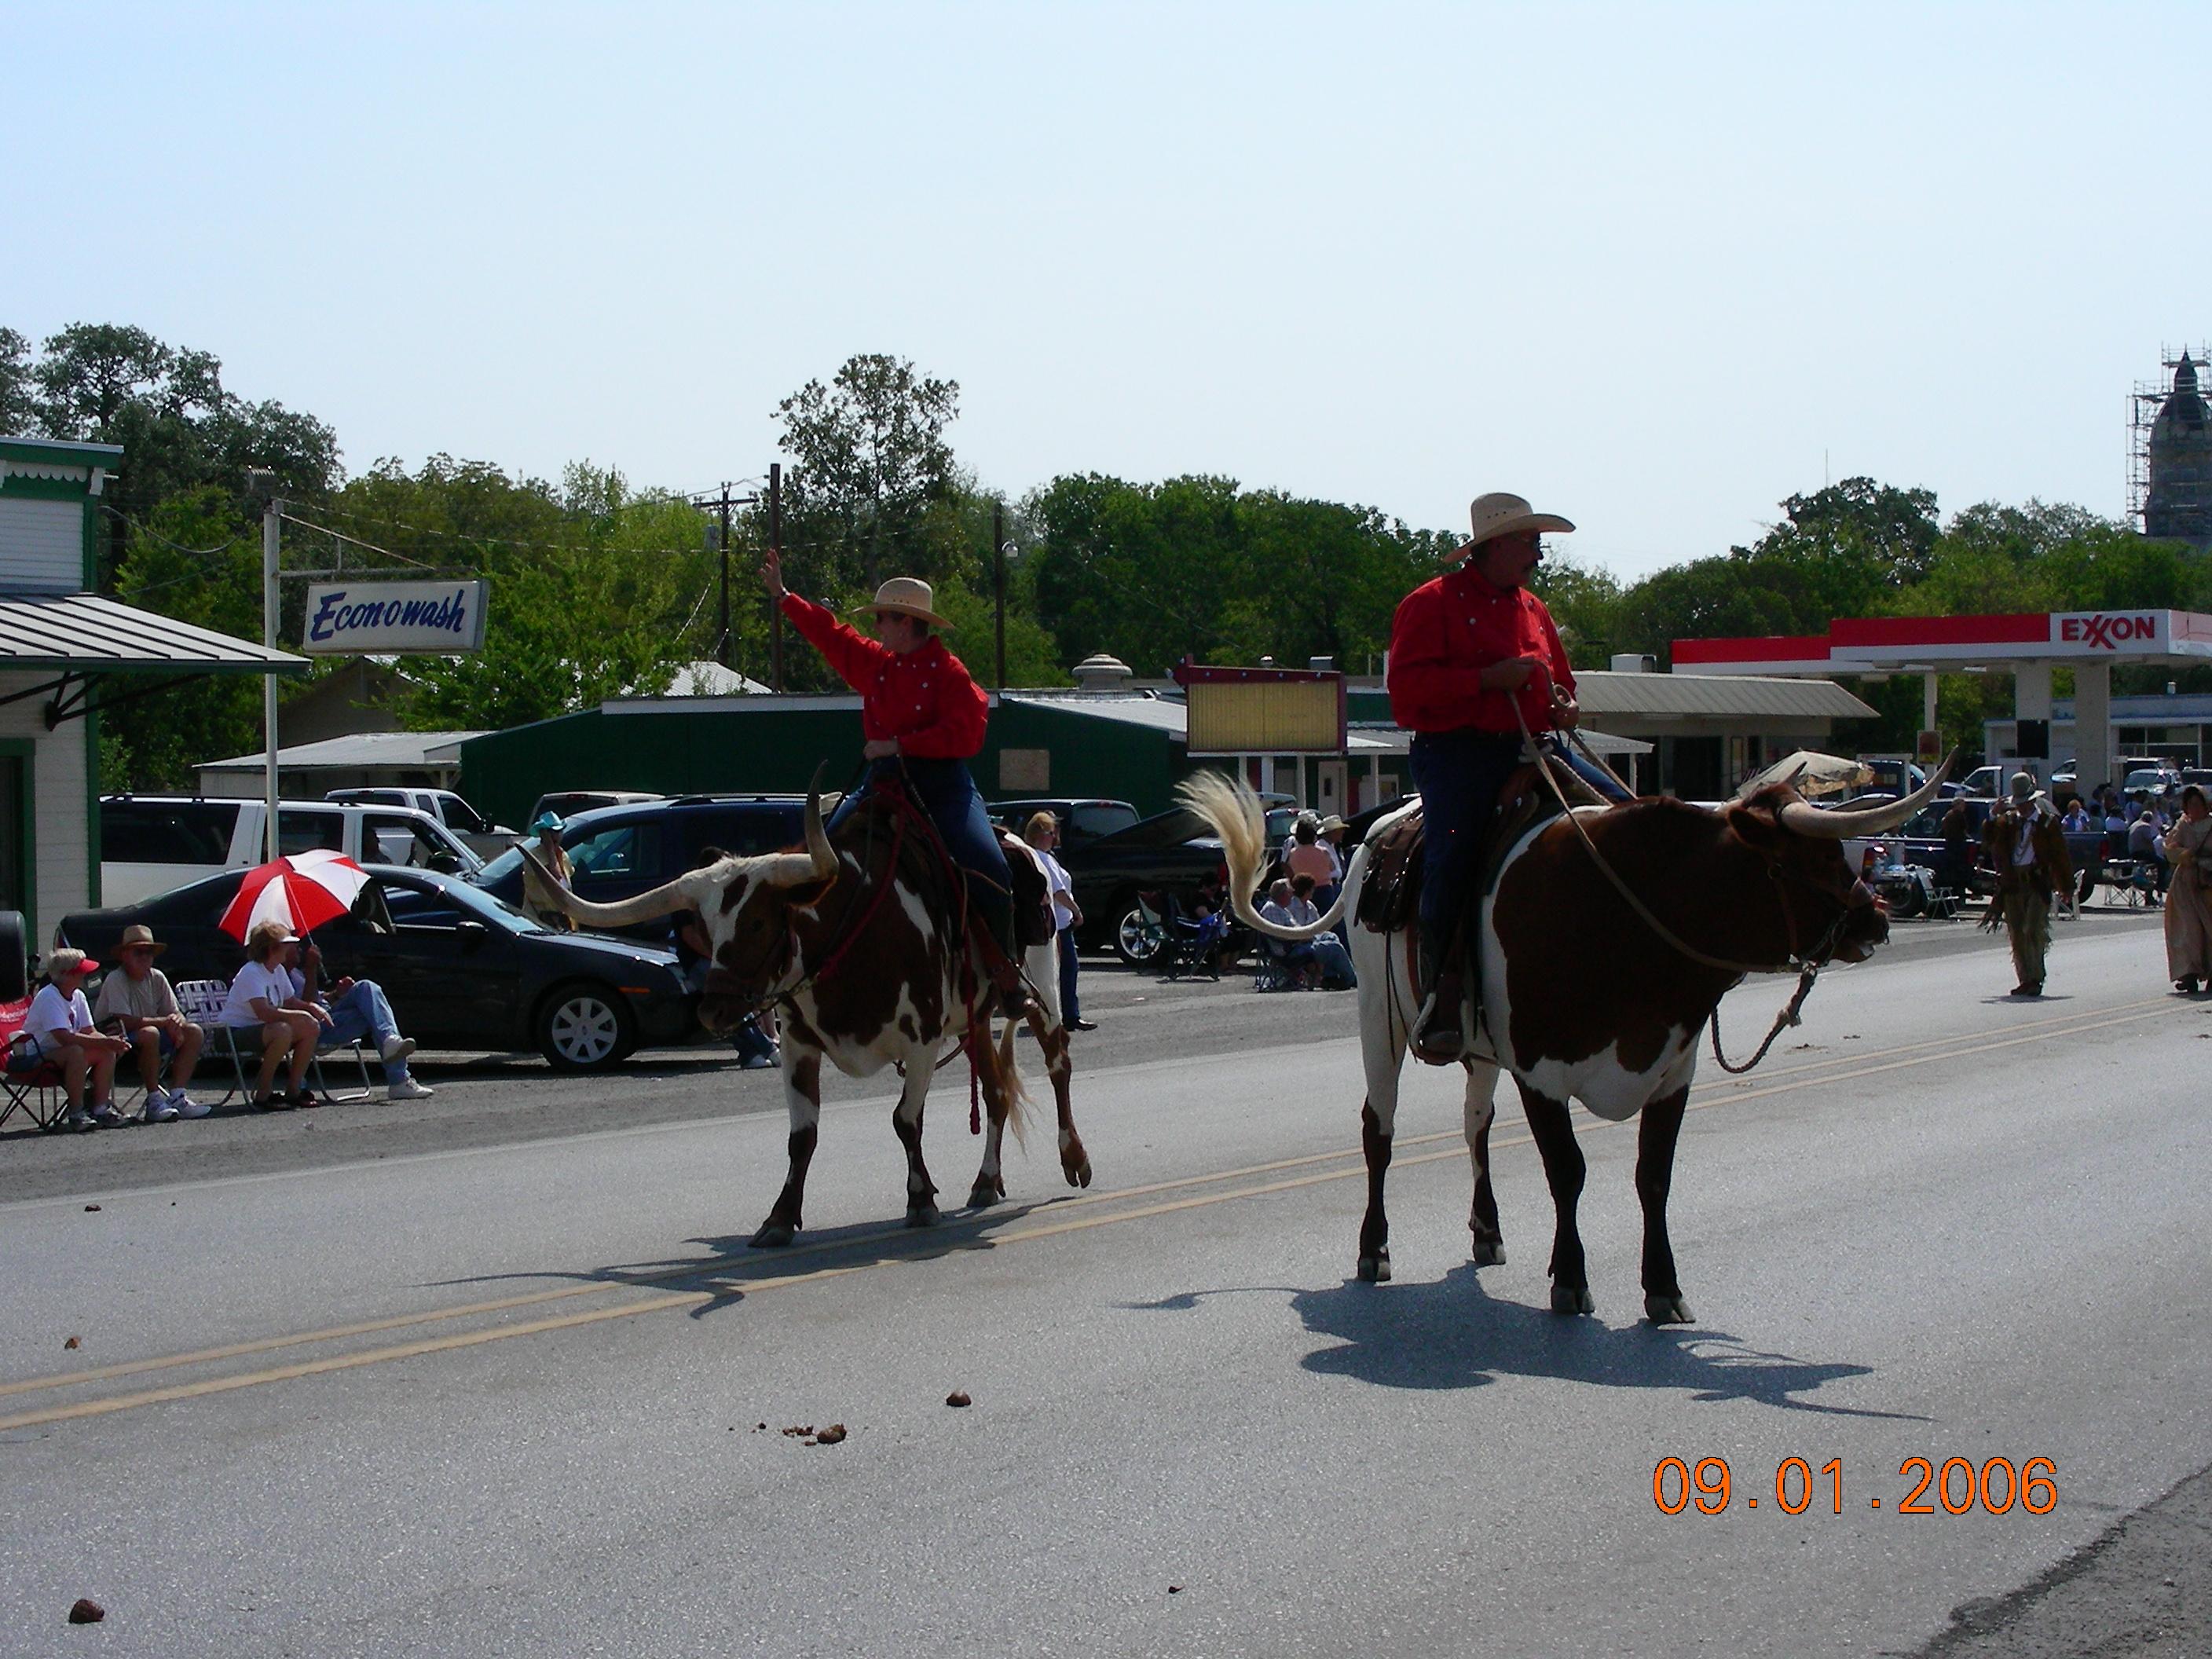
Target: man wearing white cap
[[922, 716], [1473, 655]]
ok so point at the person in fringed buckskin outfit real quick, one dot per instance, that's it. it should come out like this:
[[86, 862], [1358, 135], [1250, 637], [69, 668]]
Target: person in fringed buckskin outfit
[[2025, 844], [922, 716], [2189, 898]]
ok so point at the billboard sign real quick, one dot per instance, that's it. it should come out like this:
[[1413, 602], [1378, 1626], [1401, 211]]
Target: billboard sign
[[387, 618]]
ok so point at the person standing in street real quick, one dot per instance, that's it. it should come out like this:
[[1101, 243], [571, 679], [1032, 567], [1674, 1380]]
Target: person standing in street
[[2189, 896], [2023, 843], [1042, 833], [536, 899]]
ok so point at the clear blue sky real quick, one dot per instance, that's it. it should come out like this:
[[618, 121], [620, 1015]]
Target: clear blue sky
[[1654, 266]]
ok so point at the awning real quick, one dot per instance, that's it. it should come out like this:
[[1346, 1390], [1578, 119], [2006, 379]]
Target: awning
[[86, 638]]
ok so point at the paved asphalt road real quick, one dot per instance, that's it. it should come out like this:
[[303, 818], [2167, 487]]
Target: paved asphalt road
[[496, 1374]]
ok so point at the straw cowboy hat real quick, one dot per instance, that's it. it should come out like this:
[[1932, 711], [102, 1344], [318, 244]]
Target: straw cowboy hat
[[139, 933], [1501, 515], [906, 596]]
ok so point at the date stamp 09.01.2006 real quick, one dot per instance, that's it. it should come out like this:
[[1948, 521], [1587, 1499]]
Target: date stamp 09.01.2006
[[1958, 1485]]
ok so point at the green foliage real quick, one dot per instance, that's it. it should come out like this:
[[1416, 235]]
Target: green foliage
[[1194, 567], [595, 591], [180, 430]]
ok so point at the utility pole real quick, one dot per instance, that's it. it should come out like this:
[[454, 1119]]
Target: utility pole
[[775, 546], [998, 583], [722, 635], [723, 502], [272, 516]]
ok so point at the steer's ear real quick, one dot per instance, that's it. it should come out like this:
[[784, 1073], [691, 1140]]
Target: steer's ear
[[710, 856], [1753, 827]]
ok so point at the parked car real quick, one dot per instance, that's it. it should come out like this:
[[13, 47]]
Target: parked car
[[2151, 780], [566, 803], [1919, 842], [1168, 852], [462, 969], [1081, 820], [486, 838], [620, 850], [150, 843]]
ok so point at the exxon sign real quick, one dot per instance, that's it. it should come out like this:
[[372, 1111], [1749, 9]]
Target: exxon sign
[[383, 618], [2089, 633]]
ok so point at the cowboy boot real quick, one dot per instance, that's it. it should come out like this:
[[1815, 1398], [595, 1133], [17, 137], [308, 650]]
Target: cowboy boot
[[1439, 1037]]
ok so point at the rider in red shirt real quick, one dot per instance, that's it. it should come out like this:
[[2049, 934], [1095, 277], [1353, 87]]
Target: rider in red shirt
[[1467, 649], [923, 719]]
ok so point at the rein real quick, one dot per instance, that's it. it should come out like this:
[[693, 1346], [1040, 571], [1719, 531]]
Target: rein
[[1808, 965]]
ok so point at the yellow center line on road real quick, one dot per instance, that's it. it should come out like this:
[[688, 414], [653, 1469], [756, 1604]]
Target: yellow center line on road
[[1718, 1091], [2047, 1030]]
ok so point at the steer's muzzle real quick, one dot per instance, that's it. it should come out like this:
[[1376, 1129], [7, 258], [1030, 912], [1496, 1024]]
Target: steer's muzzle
[[1865, 925], [726, 1001]]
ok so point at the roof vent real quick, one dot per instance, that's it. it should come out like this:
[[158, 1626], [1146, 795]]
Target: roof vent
[[1103, 673], [1635, 662], [1320, 664]]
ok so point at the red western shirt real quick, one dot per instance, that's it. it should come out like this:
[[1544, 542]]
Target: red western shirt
[[925, 698], [1447, 631]]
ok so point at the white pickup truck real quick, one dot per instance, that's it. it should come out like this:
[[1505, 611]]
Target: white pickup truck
[[151, 844]]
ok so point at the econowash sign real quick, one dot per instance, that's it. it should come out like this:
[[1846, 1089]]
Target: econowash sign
[[382, 618]]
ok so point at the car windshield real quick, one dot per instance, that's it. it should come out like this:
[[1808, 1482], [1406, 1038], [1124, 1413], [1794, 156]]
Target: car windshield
[[500, 867], [419, 900]]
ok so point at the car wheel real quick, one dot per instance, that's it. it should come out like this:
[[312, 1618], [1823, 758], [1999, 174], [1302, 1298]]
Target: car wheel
[[1138, 939], [584, 1028], [14, 965]]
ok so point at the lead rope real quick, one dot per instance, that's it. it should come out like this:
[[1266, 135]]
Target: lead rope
[[1809, 970]]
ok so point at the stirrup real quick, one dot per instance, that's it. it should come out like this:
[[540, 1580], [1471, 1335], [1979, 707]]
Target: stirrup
[[1434, 1043]]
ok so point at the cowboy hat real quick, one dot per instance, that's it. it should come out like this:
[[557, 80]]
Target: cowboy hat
[[2022, 786], [139, 933], [548, 820], [1499, 514], [904, 596]]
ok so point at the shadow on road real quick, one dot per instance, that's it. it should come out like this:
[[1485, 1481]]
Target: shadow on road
[[1451, 1335], [731, 1267]]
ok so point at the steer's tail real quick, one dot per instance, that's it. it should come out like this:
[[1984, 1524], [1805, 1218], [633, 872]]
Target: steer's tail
[[1233, 813], [999, 1071]]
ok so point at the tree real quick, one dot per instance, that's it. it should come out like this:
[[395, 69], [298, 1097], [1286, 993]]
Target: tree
[[872, 476], [179, 429], [18, 407]]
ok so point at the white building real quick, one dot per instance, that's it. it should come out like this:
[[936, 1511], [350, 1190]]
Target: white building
[[64, 652]]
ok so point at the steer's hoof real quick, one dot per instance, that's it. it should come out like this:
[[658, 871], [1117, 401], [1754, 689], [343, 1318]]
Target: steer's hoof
[[1077, 1172], [1571, 1299], [923, 1214], [1489, 1253], [1375, 1269], [774, 1235], [1668, 1310], [985, 1193]]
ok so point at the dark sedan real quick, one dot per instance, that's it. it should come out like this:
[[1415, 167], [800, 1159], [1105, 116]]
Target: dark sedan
[[462, 969]]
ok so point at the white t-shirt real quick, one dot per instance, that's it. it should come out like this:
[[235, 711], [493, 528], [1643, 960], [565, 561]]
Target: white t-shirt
[[270, 983], [52, 1011], [1056, 884]]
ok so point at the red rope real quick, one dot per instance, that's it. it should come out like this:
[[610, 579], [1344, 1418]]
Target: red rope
[[883, 891]]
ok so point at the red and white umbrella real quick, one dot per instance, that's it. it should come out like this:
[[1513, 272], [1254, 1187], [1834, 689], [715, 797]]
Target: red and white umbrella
[[303, 890]]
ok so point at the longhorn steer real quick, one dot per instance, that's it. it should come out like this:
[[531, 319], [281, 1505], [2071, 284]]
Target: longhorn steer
[[853, 939], [1584, 998]]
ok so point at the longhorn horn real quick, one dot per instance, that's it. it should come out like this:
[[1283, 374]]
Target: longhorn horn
[[664, 901], [819, 861], [1843, 822]]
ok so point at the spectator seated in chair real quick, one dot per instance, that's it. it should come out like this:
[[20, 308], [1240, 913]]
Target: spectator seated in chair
[[262, 998], [1323, 960], [136, 1001], [357, 1011], [60, 1029]]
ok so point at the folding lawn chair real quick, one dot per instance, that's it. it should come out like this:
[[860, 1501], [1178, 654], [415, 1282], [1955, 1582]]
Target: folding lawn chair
[[36, 1092], [202, 1000]]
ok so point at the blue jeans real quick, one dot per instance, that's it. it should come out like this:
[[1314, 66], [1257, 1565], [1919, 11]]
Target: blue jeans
[[1335, 961], [1459, 775], [945, 790], [362, 1014], [1071, 1006]]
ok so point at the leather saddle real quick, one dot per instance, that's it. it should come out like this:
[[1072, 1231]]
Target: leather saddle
[[1392, 894]]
